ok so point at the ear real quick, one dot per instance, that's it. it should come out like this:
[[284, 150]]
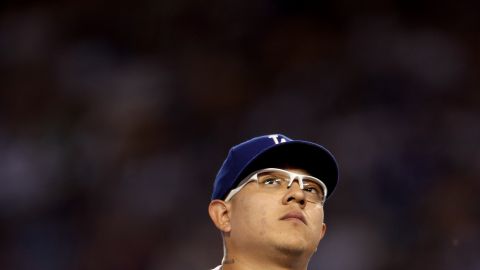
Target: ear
[[322, 234], [219, 212], [324, 230]]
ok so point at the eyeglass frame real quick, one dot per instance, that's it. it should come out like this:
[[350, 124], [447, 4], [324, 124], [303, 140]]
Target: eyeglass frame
[[293, 176]]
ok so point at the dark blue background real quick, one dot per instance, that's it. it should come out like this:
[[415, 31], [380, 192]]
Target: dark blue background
[[115, 117]]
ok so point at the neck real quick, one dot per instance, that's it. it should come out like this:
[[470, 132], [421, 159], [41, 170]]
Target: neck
[[279, 261]]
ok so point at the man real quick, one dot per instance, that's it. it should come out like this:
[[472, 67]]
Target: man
[[268, 200]]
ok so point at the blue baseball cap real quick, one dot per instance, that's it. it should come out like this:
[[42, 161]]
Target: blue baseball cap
[[278, 151]]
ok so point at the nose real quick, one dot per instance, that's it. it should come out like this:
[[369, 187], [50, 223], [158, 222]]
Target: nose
[[294, 194]]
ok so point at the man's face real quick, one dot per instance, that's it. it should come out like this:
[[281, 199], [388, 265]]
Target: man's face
[[276, 221]]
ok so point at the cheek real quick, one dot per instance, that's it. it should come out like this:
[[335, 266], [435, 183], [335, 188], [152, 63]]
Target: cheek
[[317, 218], [250, 216], [263, 225]]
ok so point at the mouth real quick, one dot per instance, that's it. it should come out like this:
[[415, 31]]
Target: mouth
[[295, 216]]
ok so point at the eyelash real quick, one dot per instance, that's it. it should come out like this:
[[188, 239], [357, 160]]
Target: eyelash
[[270, 181], [310, 189]]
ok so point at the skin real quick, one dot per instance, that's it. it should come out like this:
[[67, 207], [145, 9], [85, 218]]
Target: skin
[[256, 237]]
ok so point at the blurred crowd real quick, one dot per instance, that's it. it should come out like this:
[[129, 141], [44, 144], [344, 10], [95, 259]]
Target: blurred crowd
[[115, 117]]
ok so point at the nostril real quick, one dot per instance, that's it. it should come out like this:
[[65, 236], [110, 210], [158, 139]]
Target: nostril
[[292, 198]]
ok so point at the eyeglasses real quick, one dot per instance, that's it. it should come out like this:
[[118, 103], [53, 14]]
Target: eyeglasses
[[273, 180]]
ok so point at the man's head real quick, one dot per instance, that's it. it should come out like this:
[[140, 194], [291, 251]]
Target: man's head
[[268, 198]]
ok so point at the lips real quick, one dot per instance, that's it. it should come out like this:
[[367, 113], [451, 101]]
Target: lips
[[295, 215]]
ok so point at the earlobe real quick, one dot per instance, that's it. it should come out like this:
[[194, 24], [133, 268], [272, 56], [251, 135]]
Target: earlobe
[[220, 214]]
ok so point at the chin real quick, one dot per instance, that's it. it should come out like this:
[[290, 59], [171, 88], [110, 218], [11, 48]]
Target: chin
[[293, 246], [294, 251]]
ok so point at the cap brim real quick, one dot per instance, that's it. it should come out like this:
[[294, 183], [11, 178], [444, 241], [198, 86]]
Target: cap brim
[[311, 157]]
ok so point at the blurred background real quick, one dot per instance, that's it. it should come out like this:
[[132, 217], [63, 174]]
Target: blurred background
[[115, 117]]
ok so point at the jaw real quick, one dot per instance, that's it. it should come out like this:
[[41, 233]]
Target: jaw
[[294, 245]]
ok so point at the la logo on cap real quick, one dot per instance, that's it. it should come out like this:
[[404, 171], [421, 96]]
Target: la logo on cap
[[275, 139]]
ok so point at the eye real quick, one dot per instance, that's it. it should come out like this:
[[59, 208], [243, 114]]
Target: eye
[[312, 189], [271, 181]]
